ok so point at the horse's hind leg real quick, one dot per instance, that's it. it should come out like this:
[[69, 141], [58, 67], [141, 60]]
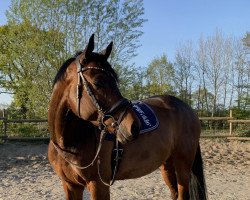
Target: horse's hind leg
[[183, 174], [169, 176], [72, 191]]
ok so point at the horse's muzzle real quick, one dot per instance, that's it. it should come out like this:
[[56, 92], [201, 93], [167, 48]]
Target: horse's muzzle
[[125, 135], [135, 129]]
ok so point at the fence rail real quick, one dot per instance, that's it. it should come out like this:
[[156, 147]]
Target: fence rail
[[25, 120], [38, 128], [27, 128], [215, 118], [245, 121]]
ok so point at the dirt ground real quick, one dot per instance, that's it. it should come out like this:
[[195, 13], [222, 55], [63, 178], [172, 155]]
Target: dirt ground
[[26, 174]]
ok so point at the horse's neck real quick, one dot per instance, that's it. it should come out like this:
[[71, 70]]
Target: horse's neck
[[57, 107], [65, 127]]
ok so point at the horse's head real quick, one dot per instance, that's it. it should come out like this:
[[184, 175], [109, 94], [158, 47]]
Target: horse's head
[[94, 96]]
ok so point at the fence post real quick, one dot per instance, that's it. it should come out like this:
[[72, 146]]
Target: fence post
[[5, 123], [230, 123]]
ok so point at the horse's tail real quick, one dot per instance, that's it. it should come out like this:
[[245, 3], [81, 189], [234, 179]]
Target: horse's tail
[[197, 188]]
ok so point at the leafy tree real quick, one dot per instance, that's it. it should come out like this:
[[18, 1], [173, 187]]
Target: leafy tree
[[28, 58], [246, 40], [200, 99], [116, 20], [137, 89], [159, 76], [242, 76], [40, 35], [245, 97]]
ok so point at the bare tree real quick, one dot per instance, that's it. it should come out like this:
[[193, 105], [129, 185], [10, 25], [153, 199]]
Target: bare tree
[[200, 66], [184, 65], [215, 70], [241, 75], [218, 71]]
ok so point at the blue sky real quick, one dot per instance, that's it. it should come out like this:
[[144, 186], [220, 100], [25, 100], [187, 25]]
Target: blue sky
[[173, 21]]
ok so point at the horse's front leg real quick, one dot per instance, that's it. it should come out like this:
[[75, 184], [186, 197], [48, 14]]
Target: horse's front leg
[[98, 190], [72, 191]]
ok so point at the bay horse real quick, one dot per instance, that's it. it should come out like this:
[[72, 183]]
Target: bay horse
[[86, 104]]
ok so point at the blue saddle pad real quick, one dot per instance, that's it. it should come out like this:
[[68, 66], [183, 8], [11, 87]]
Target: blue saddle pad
[[146, 115]]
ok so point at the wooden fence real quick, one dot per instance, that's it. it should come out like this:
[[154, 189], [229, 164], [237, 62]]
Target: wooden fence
[[7, 132], [10, 131], [229, 120]]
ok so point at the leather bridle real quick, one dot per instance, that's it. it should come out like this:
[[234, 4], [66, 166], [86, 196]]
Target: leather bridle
[[103, 115]]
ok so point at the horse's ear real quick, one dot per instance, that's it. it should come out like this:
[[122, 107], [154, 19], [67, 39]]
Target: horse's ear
[[106, 52], [90, 46]]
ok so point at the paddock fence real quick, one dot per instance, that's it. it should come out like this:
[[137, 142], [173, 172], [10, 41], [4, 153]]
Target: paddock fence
[[212, 127], [26, 129]]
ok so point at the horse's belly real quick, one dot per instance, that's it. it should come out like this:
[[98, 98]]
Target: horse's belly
[[143, 156]]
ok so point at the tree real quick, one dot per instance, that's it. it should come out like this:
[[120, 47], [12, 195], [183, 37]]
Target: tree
[[159, 76], [117, 20], [200, 66], [219, 70], [49, 32], [200, 100], [184, 66], [241, 74], [27, 59], [246, 86], [135, 85], [246, 40]]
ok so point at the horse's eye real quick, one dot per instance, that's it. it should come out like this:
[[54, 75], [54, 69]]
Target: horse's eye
[[98, 84]]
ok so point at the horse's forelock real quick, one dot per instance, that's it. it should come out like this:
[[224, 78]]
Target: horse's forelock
[[98, 57]]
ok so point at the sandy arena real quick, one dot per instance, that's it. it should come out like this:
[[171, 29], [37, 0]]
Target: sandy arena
[[25, 174]]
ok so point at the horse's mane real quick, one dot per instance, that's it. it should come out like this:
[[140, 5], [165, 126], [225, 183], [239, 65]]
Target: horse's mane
[[94, 56], [60, 74]]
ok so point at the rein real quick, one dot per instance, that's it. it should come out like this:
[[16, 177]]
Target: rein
[[64, 153], [102, 117]]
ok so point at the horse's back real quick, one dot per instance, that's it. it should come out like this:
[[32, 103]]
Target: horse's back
[[174, 112], [177, 120]]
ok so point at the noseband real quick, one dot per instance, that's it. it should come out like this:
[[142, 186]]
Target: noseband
[[122, 104]]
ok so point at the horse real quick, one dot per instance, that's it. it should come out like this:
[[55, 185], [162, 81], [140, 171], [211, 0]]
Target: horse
[[86, 105]]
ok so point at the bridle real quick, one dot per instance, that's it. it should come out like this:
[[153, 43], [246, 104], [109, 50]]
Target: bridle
[[123, 104], [103, 115]]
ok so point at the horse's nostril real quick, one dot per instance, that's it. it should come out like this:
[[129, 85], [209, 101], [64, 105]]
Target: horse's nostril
[[135, 129]]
